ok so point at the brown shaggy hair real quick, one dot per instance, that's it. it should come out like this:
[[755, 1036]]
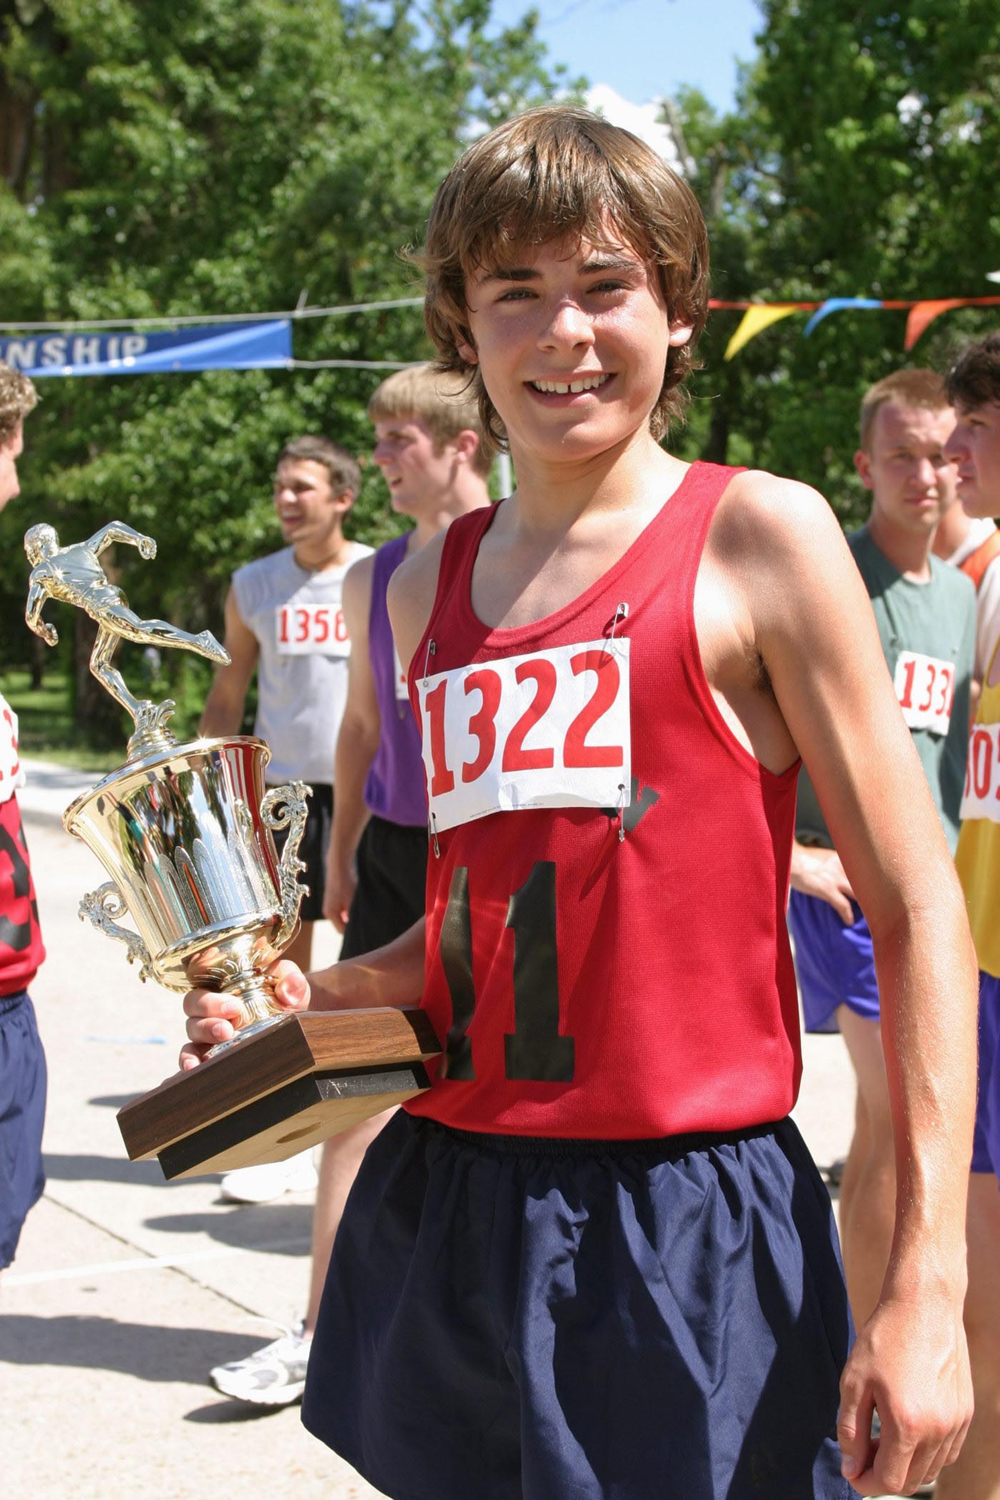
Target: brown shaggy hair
[[974, 378], [443, 402], [562, 173], [344, 472], [17, 397]]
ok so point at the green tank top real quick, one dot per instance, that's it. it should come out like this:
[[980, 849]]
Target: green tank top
[[928, 633]]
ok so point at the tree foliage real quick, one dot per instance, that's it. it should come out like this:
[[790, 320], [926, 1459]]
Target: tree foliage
[[215, 156], [860, 161]]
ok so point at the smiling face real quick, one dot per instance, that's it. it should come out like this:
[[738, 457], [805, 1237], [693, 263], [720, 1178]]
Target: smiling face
[[905, 465], [974, 446], [309, 510], [10, 452], [572, 343]]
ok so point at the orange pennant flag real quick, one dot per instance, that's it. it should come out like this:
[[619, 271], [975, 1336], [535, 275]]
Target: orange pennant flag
[[922, 314]]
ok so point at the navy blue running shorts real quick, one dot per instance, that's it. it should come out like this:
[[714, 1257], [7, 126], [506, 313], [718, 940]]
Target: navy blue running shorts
[[986, 1140], [22, 1115], [834, 962], [512, 1319]]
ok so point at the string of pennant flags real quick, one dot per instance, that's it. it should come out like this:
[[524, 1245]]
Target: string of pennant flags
[[249, 341], [920, 314]]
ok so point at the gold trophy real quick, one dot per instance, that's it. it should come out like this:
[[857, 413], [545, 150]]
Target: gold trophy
[[185, 831]]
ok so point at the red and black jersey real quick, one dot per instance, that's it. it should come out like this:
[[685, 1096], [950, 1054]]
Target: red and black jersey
[[607, 954], [21, 950]]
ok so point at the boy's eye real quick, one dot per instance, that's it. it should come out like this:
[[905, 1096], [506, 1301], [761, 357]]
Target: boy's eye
[[515, 294]]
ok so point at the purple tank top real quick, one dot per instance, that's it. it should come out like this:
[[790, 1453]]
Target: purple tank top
[[395, 787]]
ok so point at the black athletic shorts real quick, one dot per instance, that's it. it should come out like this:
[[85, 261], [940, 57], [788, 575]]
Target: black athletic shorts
[[22, 1114], [392, 885], [312, 850], [513, 1319]]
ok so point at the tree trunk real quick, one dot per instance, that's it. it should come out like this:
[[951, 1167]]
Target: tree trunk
[[95, 713]]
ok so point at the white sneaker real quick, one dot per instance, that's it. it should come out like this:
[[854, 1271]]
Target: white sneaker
[[272, 1376], [270, 1180]]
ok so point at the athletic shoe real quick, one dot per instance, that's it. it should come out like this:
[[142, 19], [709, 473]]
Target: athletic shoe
[[272, 1376], [270, 1180]]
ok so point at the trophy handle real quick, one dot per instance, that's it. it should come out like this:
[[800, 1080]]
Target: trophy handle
[[103, 906], [285, 807]]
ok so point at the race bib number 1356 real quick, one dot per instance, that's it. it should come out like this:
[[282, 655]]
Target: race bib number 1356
[[548, 729], [311, 630]]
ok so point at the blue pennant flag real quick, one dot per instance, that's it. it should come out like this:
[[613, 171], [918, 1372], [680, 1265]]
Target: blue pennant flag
[[219, 346], [836, 304]]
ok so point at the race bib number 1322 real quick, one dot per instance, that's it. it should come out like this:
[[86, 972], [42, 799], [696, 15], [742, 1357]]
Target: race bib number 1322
[[548, 729]]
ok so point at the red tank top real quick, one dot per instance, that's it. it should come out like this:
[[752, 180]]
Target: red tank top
[[607, 954]]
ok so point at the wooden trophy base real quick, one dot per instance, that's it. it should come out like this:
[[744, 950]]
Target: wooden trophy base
[[291, 1086]]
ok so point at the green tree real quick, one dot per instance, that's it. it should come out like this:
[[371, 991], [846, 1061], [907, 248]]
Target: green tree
[[860, 161], [213, 156]]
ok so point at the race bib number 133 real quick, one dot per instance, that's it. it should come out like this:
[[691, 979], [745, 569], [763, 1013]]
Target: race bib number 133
[[548, 729], [925, 688]]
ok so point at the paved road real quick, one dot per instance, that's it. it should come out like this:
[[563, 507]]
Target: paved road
[[126, 1289]]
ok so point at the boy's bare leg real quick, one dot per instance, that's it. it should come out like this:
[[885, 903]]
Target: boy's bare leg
[[976, 1474], [342, 1155], [868, 1186], [299, 950]]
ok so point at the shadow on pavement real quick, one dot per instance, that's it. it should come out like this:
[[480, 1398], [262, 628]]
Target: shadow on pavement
[[159, 1355], [284, 1227], [111, 1101], [62, 1168], [223, 1412]]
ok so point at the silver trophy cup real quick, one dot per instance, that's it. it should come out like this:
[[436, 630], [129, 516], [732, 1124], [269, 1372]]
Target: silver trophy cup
[[185, 833]]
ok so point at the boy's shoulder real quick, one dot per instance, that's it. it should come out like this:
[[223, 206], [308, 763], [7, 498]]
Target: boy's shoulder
[[766, 515]]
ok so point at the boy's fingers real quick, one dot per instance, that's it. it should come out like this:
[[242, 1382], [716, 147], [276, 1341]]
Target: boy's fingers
[[291, 987], [854, 1427]]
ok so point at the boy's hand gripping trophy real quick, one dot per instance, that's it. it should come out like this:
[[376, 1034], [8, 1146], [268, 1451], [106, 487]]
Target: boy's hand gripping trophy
[[185, 832]]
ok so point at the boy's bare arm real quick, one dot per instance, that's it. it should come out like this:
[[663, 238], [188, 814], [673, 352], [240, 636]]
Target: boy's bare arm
[[389, 976], [357, 742], [815, 634], [223, 713]]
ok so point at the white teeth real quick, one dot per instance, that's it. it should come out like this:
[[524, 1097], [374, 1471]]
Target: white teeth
[[558, 388]]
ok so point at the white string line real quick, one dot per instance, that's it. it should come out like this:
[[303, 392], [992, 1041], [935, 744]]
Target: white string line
[[350, 364], [146, 1263], [257, 317]]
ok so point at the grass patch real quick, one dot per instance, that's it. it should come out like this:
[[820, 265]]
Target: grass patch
[[45, 723]]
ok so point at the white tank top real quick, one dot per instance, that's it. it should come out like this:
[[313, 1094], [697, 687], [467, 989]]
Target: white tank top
[[302, 671]]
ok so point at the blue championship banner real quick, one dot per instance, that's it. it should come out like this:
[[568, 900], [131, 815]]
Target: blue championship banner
[[219, 346]]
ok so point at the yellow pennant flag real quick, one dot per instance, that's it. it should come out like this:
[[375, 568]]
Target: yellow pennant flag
[[754, 321]]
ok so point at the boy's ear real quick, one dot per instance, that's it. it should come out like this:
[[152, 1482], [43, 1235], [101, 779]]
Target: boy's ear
[[467, 351], [465, 444], [863, 464], [680, 335]]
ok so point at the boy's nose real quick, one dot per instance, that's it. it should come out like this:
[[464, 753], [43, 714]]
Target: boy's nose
[[569, 324]]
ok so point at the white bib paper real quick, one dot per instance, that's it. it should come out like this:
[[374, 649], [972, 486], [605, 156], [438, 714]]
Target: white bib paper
[[311, 630], [548, 729], [925, 687], [402, 690], [982, 776], [11, 775]]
